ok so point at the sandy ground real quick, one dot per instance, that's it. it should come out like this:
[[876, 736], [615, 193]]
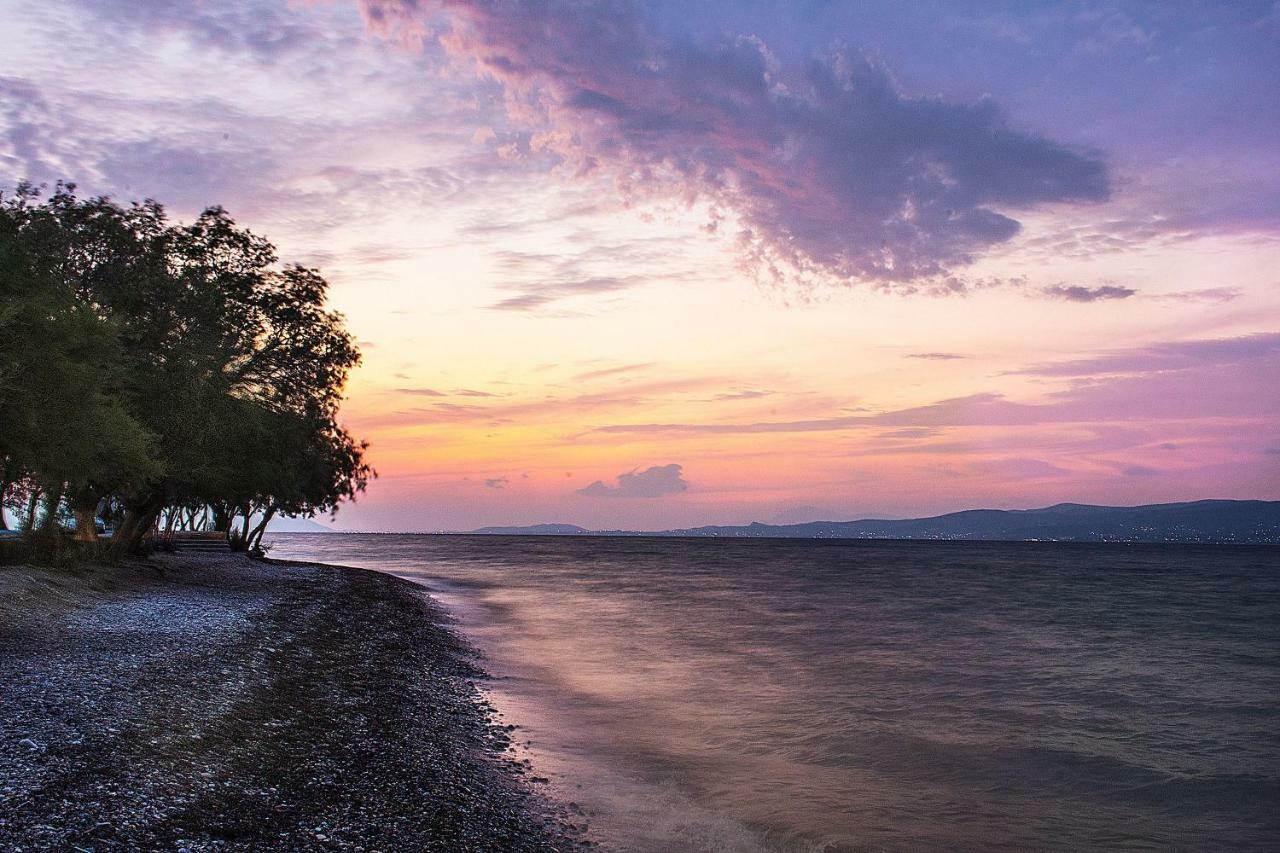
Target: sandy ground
[[208, 702]]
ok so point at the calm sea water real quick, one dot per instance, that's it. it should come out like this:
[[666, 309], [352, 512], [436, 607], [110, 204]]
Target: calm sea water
[[714, 695]]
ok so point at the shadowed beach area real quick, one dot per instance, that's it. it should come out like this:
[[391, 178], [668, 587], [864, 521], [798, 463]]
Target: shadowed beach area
[[204, 702]]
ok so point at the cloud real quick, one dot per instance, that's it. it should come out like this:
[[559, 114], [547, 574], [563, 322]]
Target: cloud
[[526, 410], [421, 392], [1076, 293], [495, 482], [254, 28], [1140, 471], [910, 433], [538, 280], [610, 371], [743, 394], [1212, 380], [936, 356], [830, 167], [1208, 294], [541, 293], [34, 134], [1019, 469], [1168, 356], [525, 302], [811, 425], [653, 482], [456, 392]]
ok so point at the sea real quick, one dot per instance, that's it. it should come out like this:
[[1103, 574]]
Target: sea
[[864, 695]]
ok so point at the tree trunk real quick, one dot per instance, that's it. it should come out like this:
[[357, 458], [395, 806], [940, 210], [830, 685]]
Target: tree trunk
[[138, 521], [33, 503], [240, 539], [86, 524], [84, 504], [123, 534], [52, 501], [222, 517], [146, 524], [255, 538]]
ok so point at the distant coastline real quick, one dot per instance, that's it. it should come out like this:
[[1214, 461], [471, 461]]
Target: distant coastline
[[1207, 521]]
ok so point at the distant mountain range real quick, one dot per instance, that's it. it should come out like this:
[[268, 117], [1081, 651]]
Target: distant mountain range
[[1198, 521], [540, 530]]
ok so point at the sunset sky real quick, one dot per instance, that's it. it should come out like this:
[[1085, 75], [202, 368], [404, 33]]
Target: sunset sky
[[654, 265]]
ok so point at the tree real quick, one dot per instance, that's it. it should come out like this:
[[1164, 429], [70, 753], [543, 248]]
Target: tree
[[147, 365], [61, 424]]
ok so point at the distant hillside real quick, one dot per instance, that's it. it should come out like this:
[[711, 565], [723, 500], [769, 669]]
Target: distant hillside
[[535, 530], [1199, 521]]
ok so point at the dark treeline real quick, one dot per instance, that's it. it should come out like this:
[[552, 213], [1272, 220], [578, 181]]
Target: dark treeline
[[156, 376]]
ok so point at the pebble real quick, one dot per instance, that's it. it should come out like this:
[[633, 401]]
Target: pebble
[[368, 733]]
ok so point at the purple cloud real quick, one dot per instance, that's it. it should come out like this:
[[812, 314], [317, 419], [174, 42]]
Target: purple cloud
[[260, 29], [830, 168], [1076, 293], [539, 294], [1177, 355], [653, 482], [936, 356], [1208, 294]]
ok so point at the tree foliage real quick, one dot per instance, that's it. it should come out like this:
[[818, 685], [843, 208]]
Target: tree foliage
[[151, 369]]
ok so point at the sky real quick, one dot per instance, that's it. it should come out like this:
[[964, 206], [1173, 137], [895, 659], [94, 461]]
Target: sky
[[662, 264]]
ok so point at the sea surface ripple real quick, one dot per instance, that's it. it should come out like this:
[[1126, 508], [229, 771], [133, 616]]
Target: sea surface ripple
[[782, 695]]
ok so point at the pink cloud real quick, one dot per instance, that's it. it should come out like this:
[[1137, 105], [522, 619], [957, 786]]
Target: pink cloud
[[1222, 381], [831, 168]]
